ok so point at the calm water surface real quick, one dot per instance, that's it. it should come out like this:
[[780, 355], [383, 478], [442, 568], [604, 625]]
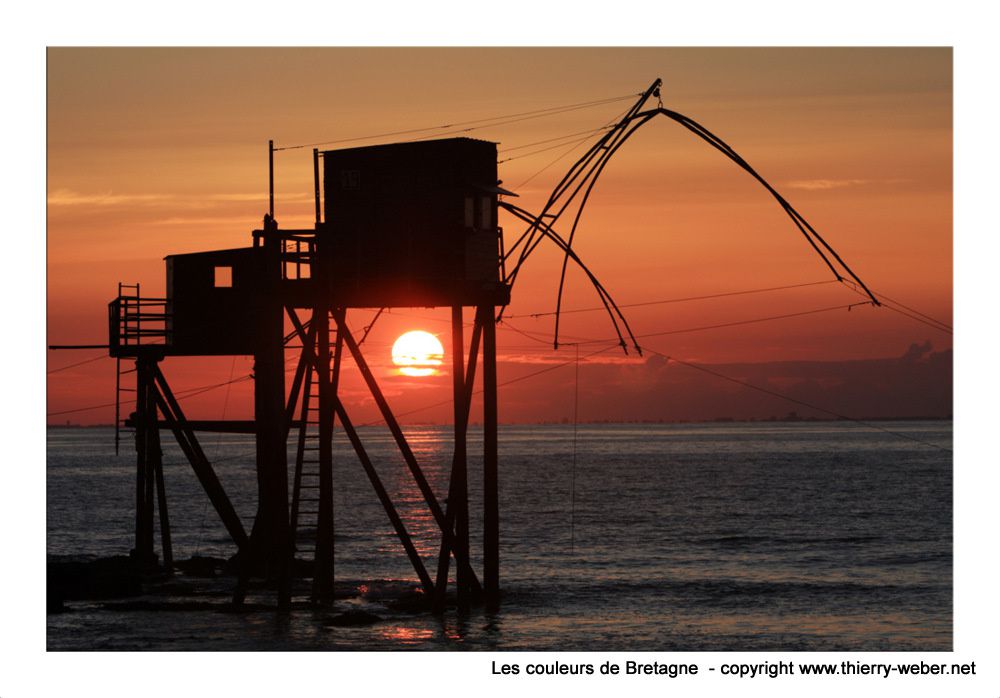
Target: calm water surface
[[765, 536]]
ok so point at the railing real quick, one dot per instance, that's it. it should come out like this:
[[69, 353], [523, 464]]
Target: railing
[[297, 253], [135, 321]]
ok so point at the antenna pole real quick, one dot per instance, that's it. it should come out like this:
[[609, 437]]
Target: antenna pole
[[316, 183], [270, 177]]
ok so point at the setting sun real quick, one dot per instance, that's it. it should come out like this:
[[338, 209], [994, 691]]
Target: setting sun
[[417, 353]]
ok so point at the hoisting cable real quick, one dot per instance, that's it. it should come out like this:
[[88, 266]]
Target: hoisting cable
[[78, 363], [370, 325], [684, 299], [904, 310], [562, 141], [537, 336], [488, 122], [181, 394], [573, 146]]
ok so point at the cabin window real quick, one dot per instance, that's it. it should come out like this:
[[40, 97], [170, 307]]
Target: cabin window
[[486, 212], [470, 216], [223, 277]]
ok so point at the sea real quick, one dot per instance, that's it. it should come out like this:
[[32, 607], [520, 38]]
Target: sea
[[764, 536]]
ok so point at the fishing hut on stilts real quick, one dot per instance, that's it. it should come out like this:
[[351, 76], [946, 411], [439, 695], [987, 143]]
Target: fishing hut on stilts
[[411, 225], [405, 225]]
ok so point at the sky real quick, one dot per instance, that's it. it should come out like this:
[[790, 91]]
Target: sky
[[160, 151]]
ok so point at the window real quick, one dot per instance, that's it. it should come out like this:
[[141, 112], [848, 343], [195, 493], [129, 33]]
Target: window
[[223, 277], [470, 217], [350, 179], [486, 212]]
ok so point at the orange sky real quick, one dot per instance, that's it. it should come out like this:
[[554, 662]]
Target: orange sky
[[159, 151]]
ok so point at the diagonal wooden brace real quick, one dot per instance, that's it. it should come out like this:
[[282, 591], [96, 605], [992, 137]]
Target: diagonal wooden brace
[[411, 461]]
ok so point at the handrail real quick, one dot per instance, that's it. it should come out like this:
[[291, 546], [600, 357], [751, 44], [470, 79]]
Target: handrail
[[132, 319]]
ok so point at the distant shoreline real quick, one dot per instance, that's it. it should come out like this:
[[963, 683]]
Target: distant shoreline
[[612, 422]]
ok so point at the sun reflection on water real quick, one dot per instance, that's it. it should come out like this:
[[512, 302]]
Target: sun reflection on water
[[406, 635]]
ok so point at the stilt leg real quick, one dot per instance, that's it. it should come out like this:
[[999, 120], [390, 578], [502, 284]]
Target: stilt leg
[[491, 504]]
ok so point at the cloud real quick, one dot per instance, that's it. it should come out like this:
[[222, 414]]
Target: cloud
[[916, 352], [259, 196], [915, 384], [202, 220], [823, 184], [256, 196], [68, 197], [567, 356]]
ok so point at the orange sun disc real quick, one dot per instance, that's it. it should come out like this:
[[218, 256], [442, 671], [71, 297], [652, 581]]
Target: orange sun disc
[[417, 353]]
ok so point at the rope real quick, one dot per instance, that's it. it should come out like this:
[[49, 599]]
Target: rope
[[588, 132], [573, 146], [78, 363], [500, 121], [180, 395], [726, 294], [913, 313], [538, 337], [546, 149]]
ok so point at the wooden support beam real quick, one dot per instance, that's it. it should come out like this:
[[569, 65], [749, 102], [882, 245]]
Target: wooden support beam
[[161, 493], [444, 556], [199, 462], [460, 489], [270, 542], [404, 447], [373, 477], [293, 393], [338, 355], [383, 496], [491, 502], [140, 459], [149, 428]]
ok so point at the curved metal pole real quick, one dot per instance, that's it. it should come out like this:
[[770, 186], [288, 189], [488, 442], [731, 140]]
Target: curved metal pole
[[579, 166], [726, 150], [797, 217], [579, 212], [615, 135], [628, 116], [538, 224], [609, 303], [592, 164]]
